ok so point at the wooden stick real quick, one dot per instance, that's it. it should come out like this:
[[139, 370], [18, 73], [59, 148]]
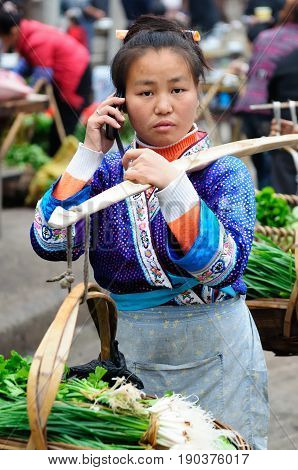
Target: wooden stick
[[11, 135], [41, 82], [49, 360], [209, 96], [61, 218], [213, 131], [204, 112], [57, 115]]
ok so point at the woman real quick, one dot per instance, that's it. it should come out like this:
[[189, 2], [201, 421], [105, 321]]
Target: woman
[[172, 257]]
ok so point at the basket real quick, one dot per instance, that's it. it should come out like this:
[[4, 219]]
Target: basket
[[277, 319], [49, 360], [283, 237]]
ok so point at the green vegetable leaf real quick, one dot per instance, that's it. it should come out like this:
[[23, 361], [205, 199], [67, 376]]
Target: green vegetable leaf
[[94, 378]]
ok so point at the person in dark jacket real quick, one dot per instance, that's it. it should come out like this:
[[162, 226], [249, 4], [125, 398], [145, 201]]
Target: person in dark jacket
[[203, 14], [135, 8], [256, 26], [283, 87], [270, 46]]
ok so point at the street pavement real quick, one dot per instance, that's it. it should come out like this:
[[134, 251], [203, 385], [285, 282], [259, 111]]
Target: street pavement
[[28, 305]]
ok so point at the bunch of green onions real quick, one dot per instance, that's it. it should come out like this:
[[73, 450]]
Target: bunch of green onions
[[89, 413], [270, 271], [98, 428], [121, 424]]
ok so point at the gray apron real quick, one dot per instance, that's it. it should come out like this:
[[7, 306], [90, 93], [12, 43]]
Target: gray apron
[[211, 352]]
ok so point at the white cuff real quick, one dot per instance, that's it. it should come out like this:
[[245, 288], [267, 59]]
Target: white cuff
[[84, 163], [177, 198]]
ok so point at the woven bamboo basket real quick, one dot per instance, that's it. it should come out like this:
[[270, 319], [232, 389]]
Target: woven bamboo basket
[[49, 360], [277, 319], [284, 237]]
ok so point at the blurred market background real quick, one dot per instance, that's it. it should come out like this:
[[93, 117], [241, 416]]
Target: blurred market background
[[37, 141]]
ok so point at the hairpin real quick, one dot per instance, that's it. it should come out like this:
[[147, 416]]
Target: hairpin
[[195, 34], [121, 33]]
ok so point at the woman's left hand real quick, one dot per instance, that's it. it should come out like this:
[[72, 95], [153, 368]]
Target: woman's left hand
[[145, 166]]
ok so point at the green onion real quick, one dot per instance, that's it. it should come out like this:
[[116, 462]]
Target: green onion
[[270, 271], [89, 413]]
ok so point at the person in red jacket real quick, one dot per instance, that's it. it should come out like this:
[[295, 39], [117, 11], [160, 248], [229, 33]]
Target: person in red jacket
[[49, 53]]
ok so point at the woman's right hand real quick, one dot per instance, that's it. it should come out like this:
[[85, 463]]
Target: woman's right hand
[[106, 113]]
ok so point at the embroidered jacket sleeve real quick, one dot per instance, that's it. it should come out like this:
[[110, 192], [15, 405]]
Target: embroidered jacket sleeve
[[71, 189], [221, 223]]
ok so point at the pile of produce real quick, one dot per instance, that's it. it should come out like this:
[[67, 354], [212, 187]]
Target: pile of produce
[[32, 141], [89, 413], [275, 211], [23, 154], [36, 128], [270, 271], [49, 172]]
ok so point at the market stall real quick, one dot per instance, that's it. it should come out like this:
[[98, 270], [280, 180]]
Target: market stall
[[18, 108]]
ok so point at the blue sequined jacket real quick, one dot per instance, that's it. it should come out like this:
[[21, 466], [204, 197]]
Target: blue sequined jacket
[[131, 247]]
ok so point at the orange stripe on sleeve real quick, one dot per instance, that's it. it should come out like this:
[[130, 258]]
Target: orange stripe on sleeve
[[186, 228], [67, 186]]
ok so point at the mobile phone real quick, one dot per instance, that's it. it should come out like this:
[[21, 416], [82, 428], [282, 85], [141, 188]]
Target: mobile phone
[[111, 132]]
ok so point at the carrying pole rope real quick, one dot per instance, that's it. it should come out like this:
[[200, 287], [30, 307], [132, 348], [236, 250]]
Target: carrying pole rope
[[67, 277], [86, 257]]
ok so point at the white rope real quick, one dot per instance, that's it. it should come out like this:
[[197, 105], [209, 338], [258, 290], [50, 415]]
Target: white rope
[[292, 106], [277, 115], [86, 257], [66, 278]]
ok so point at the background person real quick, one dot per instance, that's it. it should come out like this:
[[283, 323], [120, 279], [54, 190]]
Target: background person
[[283, 87], [55, 56], [270, 46]]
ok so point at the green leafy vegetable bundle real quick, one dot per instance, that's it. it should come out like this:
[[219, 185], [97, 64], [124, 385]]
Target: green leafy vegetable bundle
[[271, 209], [89, 413], [22, 154], [270, 271]]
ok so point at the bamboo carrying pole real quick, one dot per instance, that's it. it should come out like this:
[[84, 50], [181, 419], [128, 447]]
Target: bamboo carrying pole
[[61, 218], [259, 107], [49, 360]]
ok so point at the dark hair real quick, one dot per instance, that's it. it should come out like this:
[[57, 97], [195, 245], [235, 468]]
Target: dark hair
[[8, 19], [294, 13], [289, 12], [151, 32]]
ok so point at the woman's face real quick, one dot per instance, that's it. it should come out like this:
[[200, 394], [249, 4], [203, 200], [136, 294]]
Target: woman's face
[[161, 97], [9, 41]]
